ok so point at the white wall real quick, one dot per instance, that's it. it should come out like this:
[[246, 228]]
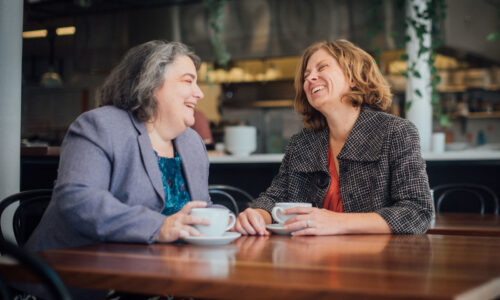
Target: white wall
[[11, 25]]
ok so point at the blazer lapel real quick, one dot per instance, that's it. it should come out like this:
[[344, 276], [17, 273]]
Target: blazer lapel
[[366, 138], [148, 157], [363, 144], [312, 155]]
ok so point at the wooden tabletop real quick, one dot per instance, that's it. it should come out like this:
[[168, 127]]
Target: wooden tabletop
[[466, 224], [285, 267]]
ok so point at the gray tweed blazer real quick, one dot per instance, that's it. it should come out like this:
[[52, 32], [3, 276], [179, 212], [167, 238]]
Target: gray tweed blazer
[[380, 170], [109, 185]]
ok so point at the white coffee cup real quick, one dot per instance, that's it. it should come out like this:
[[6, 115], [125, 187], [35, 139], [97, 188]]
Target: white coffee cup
[[219, 220], [278, 210]]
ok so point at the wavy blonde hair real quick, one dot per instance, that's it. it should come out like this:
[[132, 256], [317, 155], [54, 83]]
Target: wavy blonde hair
[[369, 86]]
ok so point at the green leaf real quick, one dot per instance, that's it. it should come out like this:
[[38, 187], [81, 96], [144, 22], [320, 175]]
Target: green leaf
[[372, 33], [408, 105], [423, 50], [437, 79], [404, 56], [417, 74], [445, 121], [417, 91], [437, 43], [493, 36], [435, 98]]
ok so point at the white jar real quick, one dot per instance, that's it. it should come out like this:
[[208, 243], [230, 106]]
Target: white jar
[[240, 140], [438, 142]]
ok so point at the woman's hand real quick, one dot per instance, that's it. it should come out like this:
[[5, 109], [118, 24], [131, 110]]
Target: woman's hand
[[314, 221], [179, 224], [252, 222], [320, 221]]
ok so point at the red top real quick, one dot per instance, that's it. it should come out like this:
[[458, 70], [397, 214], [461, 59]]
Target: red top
[[333, 200]]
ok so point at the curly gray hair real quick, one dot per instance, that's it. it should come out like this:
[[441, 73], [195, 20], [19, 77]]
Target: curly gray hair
[[132, 83]]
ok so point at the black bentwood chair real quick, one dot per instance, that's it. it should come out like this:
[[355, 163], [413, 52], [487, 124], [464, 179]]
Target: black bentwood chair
[[465, 197], [32, 205], [237, 198], [34, 264]]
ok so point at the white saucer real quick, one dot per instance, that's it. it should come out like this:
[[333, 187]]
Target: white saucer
[[278, 229], [226, 238]]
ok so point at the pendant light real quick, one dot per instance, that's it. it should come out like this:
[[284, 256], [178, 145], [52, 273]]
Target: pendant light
[[51, 79]]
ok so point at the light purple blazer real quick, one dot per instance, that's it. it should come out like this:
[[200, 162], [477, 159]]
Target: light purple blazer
[[109, 186]]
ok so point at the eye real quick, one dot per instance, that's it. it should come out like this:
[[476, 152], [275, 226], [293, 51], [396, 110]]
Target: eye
[[322, 67]]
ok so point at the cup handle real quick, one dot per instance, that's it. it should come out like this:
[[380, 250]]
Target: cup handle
[[233, 221], [276, 212]]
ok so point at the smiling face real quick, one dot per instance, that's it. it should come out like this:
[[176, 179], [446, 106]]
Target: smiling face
[[324, 81], [178, 96]]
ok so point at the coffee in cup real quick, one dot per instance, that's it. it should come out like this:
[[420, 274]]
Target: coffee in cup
[[219, 220], [278, 210]]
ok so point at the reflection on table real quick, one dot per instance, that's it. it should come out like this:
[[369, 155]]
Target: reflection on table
[[285, 267]]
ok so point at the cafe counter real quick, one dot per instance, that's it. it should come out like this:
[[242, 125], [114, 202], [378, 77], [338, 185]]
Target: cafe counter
[[471, 155], [254, 173]]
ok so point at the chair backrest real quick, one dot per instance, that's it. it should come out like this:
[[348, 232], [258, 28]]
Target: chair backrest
[[236, 197], [42, 270], [32, 205], [465, 197]]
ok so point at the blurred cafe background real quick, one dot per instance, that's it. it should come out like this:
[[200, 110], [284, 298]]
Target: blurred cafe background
[[250, 50]]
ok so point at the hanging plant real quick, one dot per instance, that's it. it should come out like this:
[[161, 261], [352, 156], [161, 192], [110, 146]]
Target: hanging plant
[[435, 12], [373, 13], [495, 36], [215, 10]]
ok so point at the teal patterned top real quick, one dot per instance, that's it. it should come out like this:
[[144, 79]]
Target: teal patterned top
[[174, 186]]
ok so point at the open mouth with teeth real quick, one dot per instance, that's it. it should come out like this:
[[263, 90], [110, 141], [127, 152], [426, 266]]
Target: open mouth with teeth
[[318, 88], [191, 105]]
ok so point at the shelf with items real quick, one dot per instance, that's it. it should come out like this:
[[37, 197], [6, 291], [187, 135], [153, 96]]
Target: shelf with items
[[471, 104], [266, 94], [480, 115], [398, 85], [455, 75], [257, 70]]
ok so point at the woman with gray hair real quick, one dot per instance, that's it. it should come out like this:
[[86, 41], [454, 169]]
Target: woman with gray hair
[[131, 170]]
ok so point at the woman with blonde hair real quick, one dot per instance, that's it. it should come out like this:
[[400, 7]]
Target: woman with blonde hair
[[360, 167]]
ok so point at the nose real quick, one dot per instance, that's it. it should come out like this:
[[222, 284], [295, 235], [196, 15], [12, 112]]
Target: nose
[[313, 76], [197, 93]]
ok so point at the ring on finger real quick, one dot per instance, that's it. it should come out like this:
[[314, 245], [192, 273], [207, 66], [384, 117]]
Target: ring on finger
[[308, 223]]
